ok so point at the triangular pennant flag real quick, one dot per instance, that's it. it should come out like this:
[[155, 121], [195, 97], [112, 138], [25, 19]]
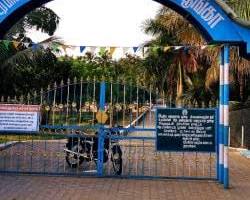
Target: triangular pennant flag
[[64, 47], [203, 47], [154, 49], [165, 49], [55, 47], [143, 52], [6, 43], [102, 50], [135, 49], [211, 46], [178, 47], [34, 46], [92, 50], [26, 44], [125, 50], [82, 48], [112, 50], [45, 45], [15, 44]]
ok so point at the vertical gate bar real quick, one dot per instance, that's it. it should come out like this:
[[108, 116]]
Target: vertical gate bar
[[143, 156], [183, 164], [156, 157], [109, 157], [64, 163], [67, 103], [48, 105], [94, 101], [44, 156], [54, 104], [203, 166], [78, 157], [124, 105], [196, 164], [5, 153], [61, 103], [136, 158], [143, 104], [101, 135], [80, 102], [137, 102], [210, 165], [111, 105], [131, 106], [221, 120], [18, 153], [58, 155], [117, 102], [176, 166], [129, 158], [169, 162], [74, 105], [25, 168], [11, 155], [226, 113], [150, 105]]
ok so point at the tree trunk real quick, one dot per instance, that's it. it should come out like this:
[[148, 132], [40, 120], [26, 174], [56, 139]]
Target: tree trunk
[[179, 88]]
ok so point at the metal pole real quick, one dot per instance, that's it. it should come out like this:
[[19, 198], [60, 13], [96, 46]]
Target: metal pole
[[101, 135], [221, 119], [226, 113]]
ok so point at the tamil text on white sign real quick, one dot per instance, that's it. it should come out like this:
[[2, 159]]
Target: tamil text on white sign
[[19, 118]]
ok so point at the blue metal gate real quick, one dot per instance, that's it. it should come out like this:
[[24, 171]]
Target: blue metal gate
[[72, 141]]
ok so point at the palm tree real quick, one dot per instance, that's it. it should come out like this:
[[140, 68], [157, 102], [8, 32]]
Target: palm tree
[[169, 28], [172, 29]]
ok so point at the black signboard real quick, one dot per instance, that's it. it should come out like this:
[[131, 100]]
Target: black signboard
[[191, 130]]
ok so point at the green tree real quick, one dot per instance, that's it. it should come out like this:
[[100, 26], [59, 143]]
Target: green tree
[[26, 67]]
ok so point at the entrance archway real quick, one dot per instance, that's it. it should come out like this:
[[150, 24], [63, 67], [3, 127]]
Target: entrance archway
[[212, 18]]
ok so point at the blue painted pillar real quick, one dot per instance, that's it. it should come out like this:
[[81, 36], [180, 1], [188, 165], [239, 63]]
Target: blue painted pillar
[[226, 113], [221, 119], [101, 135]]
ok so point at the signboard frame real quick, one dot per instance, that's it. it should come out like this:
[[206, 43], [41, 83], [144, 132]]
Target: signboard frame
[[37, 107], [216, 125]]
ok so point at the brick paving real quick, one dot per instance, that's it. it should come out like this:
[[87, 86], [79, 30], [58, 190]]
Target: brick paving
[[57, 188]]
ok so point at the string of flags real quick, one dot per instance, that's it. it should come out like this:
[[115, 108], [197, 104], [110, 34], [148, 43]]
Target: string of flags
[[58, 47]]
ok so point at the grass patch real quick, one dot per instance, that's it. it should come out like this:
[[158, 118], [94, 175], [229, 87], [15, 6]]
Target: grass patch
[[12, 137]]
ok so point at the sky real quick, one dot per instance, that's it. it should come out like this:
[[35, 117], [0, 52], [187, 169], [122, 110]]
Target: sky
[[101, 23]]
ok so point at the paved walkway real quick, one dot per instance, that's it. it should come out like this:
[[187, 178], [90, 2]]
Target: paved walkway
[[60, 188]]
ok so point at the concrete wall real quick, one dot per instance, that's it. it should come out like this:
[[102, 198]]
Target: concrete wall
[[238, 119]]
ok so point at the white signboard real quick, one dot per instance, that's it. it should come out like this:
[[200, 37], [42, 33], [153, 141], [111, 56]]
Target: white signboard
[[19, 118]]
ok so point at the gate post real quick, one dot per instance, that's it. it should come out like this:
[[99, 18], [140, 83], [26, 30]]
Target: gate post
[[220, 170], [101, 133], [226, 113]]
